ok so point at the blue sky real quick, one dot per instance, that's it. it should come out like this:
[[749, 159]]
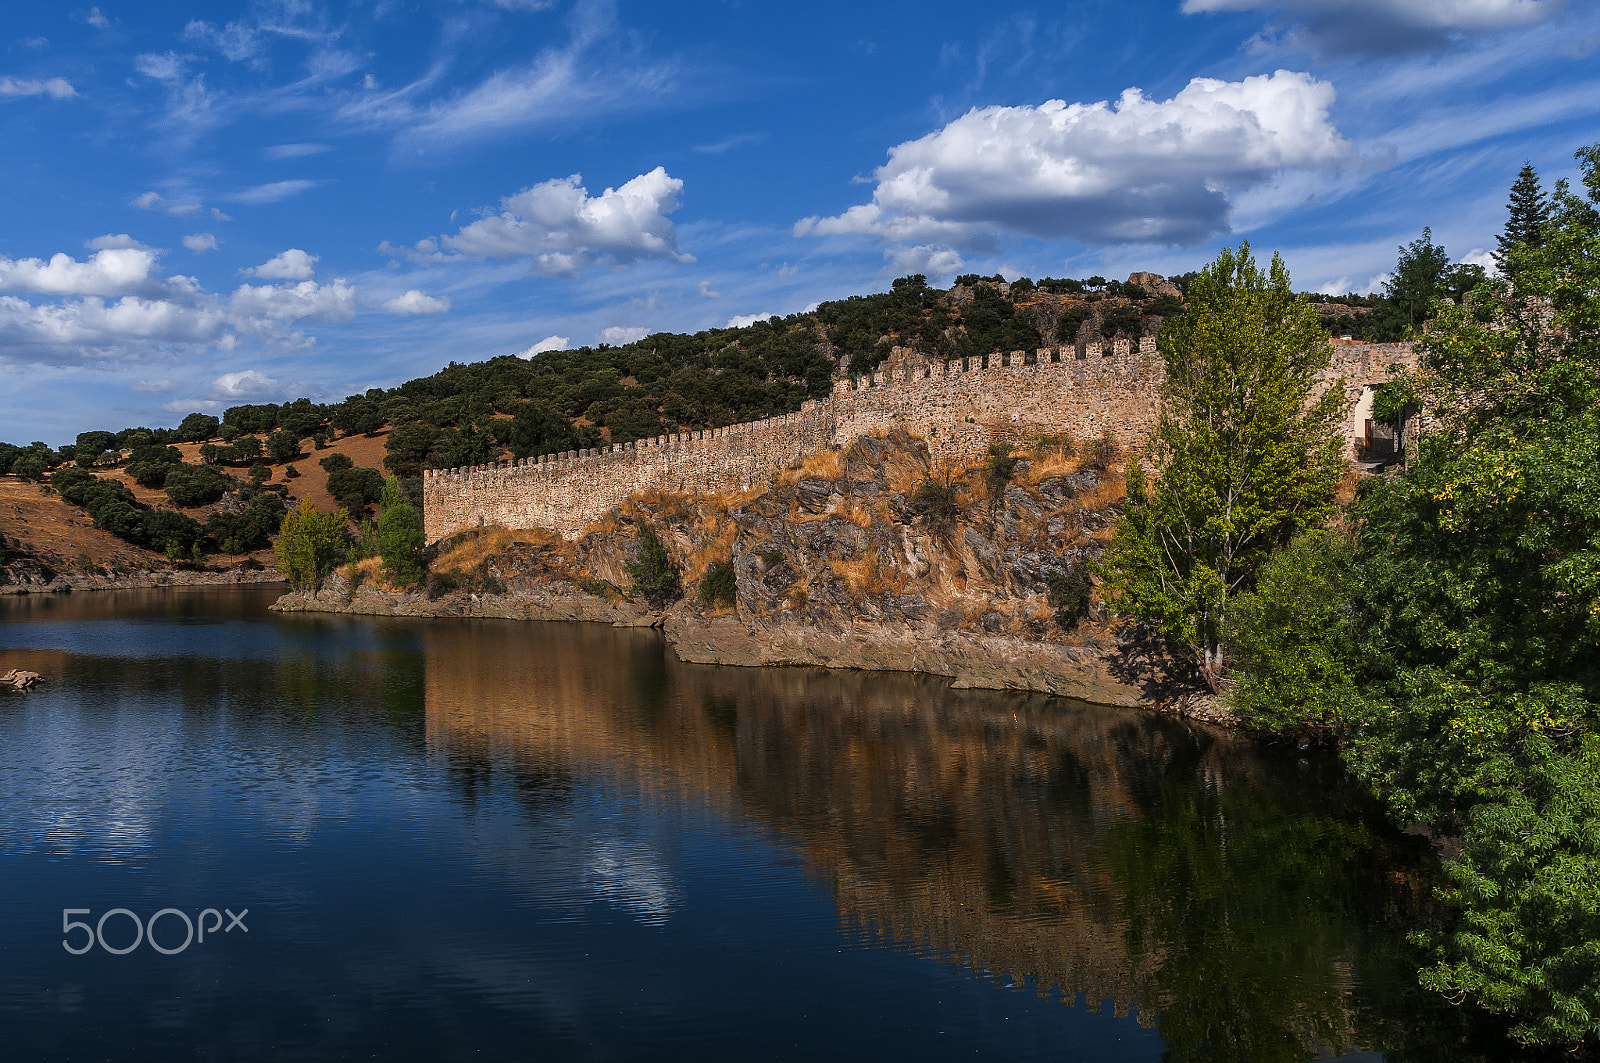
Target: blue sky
[[210, 204]]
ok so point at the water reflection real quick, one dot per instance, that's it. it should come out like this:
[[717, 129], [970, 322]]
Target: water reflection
[[1246, 905], [500, 838]]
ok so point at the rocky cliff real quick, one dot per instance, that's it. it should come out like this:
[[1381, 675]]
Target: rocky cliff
[[869, 556]]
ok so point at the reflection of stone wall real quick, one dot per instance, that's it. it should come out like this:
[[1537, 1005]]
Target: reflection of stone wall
[[960, 823], [1087, 390]]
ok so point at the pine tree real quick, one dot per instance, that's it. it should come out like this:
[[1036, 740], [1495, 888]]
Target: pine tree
[[1528, 214]]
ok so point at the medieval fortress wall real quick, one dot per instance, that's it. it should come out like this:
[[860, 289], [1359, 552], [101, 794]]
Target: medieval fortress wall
[[1085, 391]]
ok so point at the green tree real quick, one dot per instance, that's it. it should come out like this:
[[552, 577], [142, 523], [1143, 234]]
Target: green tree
[[1293, 640], [1479, 618], [1527, 215], [1247, 455], [195, 485], [401, 540], [655, 577], [283, 446], [1419, 278], [197, 427], [310, 543]]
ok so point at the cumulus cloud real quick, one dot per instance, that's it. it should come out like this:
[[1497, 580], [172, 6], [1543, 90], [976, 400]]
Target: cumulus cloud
[[1137, 170], [114, 241], [307, 301], [416, 302], [292, 265], [746, 320], [932, 261], [549, 343], [1382, 27], [200, 243], [55, 88], [245, 384], [110, 271], [560, 228], [617, 335]]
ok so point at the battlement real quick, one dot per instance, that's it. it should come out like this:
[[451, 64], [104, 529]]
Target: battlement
[[959, 407]]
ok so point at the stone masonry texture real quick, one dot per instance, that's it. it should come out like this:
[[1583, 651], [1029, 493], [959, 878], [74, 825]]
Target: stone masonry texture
[[1086, 391]]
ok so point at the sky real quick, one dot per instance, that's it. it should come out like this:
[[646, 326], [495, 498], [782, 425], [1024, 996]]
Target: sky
[[223, 203]]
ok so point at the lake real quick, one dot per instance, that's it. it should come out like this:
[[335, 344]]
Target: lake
[[439, 840]]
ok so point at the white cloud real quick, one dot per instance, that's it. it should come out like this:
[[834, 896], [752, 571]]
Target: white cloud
[[293, 151], [561, 228], [246, 384], [166, 67], [114, 242], [267, 305], [1138, 170], [153, 387], [931, 261], [235, 40], [708, 292], [596, 72], [55, 88], [1481, 257], [271, 192], [524, 5], [200, 243], [617, 335], [549, 343], [60, 333], [155, 201], [1382, 27], [97, 20], [416, 302], [746, 320], [110, 271], [292, 265]]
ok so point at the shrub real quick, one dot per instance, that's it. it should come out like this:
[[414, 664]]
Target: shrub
[[1069, 592], [655, 578], [1000, 464], [195, 485], [718, 586], [935, 503], [1101, 453], [336, 462]]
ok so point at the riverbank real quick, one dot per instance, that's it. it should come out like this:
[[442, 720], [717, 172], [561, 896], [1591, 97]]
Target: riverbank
[[27, 577], [1109, 675]]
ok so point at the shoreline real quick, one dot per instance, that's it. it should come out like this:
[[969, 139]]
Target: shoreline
[[73, 583], [967, 661]]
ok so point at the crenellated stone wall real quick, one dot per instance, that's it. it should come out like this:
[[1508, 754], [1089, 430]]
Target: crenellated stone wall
[[1086, 391]]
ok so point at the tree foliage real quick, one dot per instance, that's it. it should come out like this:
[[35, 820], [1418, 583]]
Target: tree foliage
[[400, 536], [1472, 638], [1247, 455], [1527, 214], [654, 576], [310, 543]]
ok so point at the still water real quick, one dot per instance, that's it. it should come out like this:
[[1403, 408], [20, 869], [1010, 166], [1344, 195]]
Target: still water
[[493, 840]]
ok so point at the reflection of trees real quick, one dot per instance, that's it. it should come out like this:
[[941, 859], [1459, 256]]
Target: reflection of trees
[[1234, 897]]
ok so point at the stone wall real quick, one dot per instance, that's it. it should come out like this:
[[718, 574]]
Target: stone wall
[[1086, 391]]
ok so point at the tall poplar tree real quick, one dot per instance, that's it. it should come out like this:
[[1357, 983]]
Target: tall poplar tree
[[1528, 214], [1247, 453]]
